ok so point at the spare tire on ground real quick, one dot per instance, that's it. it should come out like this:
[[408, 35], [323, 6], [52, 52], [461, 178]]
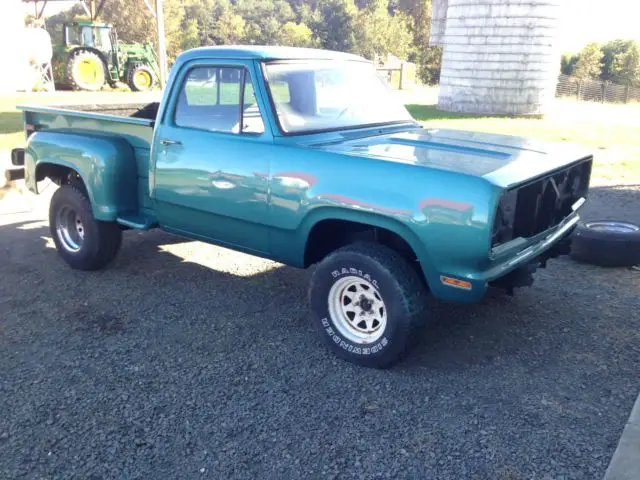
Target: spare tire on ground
[[607, 243]]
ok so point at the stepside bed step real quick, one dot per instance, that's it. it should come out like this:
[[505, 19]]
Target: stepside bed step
[[137, 221]]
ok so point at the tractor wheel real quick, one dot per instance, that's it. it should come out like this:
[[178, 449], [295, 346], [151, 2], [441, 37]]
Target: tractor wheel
[[140, 78], [85, 71]]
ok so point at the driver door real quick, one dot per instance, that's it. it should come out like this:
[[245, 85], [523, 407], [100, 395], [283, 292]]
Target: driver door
[[212, 158]]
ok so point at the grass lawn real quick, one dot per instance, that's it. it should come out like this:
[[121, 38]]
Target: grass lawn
[[612, 131]]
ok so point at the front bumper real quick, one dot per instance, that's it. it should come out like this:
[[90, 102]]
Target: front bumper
[[511, 270], [562, 231]]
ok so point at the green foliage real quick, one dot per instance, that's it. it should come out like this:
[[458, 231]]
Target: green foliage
[[378, 33], [135, 23], [617, 61], [334, 24], [297, 35], [626, 66], [429, 62], [621, 62], [191, 34], [611, 50], [264, 20], [589, 64], [428, 59], [568, 63], [367, 27]]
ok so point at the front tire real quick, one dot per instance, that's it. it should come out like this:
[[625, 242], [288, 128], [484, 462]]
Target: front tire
[[82, 241], [140, 78], [369, 304]]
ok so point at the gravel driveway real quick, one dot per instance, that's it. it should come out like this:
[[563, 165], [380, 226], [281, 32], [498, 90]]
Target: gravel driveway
[[184, 360]]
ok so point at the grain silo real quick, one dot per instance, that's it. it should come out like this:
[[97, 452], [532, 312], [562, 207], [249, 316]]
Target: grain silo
[[499, 56], [13, 50]]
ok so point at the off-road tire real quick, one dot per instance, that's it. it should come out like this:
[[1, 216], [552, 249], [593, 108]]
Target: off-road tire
[[73, 76], [403, 292], [101, 241], [606, 247], [131, 78]]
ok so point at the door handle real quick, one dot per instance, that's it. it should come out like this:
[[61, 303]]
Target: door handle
[[166, 141]]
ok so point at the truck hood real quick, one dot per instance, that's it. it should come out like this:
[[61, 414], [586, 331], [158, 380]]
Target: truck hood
[[501, 159]]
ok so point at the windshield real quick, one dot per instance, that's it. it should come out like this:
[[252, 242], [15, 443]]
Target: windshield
[[331, 95], [98, 37]]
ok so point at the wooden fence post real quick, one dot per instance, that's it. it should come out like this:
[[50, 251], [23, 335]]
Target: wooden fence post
[[578, 90]]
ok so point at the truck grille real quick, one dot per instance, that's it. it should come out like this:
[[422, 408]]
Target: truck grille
[[542, 203]]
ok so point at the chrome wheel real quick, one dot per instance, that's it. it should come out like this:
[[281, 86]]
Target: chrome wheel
[[357, 310], [619, 227], [69, 229]]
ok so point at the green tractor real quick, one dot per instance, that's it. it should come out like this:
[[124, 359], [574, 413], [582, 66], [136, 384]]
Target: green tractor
[[91, 55]]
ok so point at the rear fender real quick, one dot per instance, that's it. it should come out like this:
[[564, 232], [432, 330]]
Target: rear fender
[[105, 163]]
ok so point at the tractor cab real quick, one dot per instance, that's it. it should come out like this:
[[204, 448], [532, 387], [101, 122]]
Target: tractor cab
[[100, 36]]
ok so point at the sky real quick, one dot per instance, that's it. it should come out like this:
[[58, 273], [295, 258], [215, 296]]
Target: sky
[[584, 21], [598, 21]]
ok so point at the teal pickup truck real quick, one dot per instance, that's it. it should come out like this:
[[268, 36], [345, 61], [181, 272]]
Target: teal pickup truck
[[304, 157]]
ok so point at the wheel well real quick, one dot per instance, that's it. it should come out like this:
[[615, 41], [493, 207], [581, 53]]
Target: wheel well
[[60, 175], [329, 235]]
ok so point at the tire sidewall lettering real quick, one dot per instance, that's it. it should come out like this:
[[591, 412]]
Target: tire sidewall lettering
[[337, 273], [334, 335]]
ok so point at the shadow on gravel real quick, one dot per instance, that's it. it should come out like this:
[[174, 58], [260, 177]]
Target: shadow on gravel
[[228, 290], [461, 336]]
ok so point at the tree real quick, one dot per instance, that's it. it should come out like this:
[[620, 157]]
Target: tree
[[589, 64], [191, 34], [626, 66], [429, 64], [334, 24], [610, 51], [229, 28], [135, 23], [378, 33], [428, 59], [263, 20], [296, 35], [568, 63]]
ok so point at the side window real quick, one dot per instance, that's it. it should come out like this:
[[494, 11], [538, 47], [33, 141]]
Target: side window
[[280, 91], [211, 99]]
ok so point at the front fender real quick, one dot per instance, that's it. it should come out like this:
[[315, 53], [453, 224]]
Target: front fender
[[106, 164], [367, 218]]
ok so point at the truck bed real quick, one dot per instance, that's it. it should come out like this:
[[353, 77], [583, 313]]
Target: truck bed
[[147, 111], [133, 122]]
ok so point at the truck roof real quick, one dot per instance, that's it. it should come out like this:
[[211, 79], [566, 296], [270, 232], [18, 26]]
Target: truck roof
[[262, 52]]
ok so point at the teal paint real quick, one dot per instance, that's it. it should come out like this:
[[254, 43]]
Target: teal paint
[[263, 193]]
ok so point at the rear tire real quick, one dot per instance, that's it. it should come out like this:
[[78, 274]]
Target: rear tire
[[369, 304], [82, 241], [85, 71]]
